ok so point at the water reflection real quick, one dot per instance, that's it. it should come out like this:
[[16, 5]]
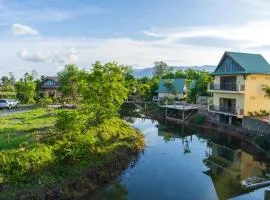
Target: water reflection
[[228, 166], [186, 163]]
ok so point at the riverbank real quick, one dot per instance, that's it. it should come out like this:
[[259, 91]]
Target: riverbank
[[39, 163], [202, 121]]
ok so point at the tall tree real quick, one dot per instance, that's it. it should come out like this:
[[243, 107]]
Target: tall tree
[[160, 68], [26, 89], [105, 91], [70, 79], [8, 82]]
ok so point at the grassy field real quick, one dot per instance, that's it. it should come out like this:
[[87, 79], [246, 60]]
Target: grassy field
[[35, 157], [17, 130]]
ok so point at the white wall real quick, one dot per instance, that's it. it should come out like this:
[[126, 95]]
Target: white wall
[[162, 95]]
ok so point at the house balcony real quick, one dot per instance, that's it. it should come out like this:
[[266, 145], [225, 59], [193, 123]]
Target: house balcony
[[226, 110], [226, 87]]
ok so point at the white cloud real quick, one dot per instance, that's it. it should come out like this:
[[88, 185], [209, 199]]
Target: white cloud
[[50, 56], [252, 34], [47, 55], [152, 34], [20, 29]]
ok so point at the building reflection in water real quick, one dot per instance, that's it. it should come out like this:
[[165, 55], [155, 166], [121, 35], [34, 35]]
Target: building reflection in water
[[229, 164], [229, 160]]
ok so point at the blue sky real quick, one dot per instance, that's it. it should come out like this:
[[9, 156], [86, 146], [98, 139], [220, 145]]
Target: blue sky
[[47, 34]]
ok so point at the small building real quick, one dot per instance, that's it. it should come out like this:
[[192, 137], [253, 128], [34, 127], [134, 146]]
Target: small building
[[238, 87], [49, 86], [175, 88]]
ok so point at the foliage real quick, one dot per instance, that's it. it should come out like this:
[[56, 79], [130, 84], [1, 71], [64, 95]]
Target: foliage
[[202, 79], [43, 102], [71, 79], [160, 68], [198, 119], [104, 91], [26, 88], [53, 161], [7, 83], [169, 84], [261, 113], [267, 91], [69, 121], [144, 91]]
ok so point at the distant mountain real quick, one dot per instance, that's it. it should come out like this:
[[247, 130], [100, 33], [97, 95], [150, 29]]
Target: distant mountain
[[149, 71]]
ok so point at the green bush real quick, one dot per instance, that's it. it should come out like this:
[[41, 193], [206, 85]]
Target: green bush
[[48, 163], [69, 121], [198, 119], [43, 102], [18, 165]]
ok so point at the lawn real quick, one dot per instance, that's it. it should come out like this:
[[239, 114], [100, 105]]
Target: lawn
[[26, 128], [35, 157]]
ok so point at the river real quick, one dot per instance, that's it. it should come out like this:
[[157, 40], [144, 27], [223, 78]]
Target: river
[[189, 164]]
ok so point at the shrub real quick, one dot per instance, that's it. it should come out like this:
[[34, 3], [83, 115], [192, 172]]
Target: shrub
[[198, 119], [43, 102], [250, 114], [263, 113], [69, 121]]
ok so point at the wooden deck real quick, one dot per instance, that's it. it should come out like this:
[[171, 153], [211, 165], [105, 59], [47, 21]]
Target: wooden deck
[[181, 107], [179, 113]]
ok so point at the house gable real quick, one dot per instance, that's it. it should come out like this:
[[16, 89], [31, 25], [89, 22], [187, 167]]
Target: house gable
[[50, 83], [229, 66], [242, 63]]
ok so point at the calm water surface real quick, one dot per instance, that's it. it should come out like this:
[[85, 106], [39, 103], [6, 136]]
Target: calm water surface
[[181, 163]]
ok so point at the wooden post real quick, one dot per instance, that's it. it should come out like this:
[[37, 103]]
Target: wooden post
[[183, 115], [230, 120]]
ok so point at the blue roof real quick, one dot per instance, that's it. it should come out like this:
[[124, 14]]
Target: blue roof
[[178, 86], [251, 63]]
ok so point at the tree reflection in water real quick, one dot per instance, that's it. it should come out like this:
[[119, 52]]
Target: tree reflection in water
[[114, 192]]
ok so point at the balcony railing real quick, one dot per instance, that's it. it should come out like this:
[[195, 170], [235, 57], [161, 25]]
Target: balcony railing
[[226, 109], [227, 87]]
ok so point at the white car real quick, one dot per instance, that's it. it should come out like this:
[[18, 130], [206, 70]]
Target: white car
[[8, 103]]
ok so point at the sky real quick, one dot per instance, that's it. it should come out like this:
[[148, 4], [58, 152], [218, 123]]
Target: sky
[[45, 35]]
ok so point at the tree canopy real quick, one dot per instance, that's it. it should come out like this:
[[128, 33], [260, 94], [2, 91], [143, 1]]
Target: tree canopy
[[105, 90], [70, 80], [26, 89]]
